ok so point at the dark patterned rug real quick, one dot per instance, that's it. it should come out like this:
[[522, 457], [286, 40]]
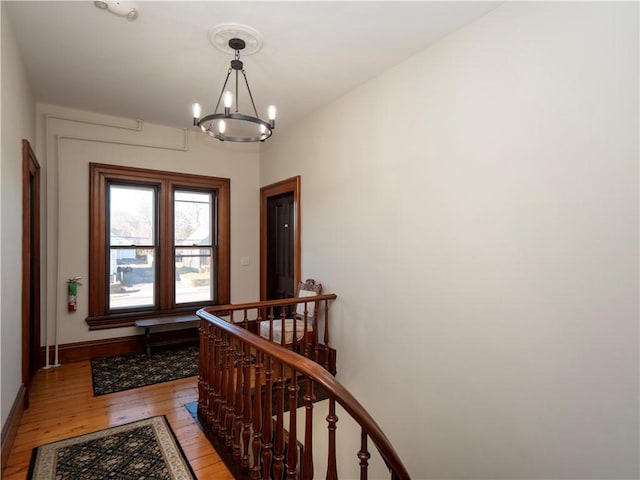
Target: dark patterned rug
[[123, 372], [143, 449]]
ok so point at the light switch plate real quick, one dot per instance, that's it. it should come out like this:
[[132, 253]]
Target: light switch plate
[[244, 261]]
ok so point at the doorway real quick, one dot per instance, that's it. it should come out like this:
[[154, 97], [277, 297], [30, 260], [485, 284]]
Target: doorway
[[279, 239], [280, 246], [31, 359]]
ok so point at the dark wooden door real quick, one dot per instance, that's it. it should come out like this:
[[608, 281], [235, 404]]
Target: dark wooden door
[[280, 246]]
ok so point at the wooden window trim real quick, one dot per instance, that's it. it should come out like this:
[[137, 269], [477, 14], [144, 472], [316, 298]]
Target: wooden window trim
[[99, 177]]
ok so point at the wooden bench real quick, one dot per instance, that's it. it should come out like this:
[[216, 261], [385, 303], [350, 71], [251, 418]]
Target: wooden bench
[[170, 323]]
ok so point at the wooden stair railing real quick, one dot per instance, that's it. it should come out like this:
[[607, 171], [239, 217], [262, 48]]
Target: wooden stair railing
[[245, 385], [250, 315]]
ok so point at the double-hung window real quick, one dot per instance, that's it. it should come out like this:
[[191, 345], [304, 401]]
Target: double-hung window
[[159, 244]]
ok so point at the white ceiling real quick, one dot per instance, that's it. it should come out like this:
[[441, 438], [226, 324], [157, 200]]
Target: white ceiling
[[155, 67]]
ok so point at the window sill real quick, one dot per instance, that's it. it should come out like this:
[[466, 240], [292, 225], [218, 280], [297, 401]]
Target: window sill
[[126, 319]]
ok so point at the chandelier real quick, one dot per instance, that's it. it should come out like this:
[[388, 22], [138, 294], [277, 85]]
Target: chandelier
[[234, 126]]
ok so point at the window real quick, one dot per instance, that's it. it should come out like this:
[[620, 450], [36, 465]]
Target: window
[[159, 244]]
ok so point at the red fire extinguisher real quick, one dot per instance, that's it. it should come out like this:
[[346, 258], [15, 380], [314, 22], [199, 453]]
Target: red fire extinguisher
[[72, 293]]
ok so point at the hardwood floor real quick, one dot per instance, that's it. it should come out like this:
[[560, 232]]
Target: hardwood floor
[[62, 405]]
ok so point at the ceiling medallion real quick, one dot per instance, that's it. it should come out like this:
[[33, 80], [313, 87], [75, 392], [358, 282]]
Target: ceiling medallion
[[220, 35]]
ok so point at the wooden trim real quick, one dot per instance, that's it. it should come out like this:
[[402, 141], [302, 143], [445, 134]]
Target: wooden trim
[[30, 271], [108, 347], [166, 183], [75, 352], [224, 243], [285, 186], [119, 320], [10, 427]]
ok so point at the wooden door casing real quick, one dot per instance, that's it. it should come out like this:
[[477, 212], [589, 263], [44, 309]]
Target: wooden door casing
[[31, 360]]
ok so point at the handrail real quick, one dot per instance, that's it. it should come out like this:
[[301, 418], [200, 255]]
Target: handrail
[[317, 374], [268, 303]]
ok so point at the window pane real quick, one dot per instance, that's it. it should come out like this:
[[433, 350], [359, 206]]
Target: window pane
[[194, 275], [192, 218], [131, 215], [131, 277]]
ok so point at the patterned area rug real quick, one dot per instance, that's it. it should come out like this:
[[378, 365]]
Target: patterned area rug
[[123, 372], [143, 449]]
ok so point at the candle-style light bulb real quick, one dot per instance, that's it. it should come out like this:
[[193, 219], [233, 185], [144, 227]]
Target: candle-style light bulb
[[196, 108], [271, 112], [263, 129], [228, 99], [222, 126]]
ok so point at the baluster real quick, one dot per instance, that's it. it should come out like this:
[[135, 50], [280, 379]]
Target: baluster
[[222, 412], [245, 319], [267, 423], [201, 380], [271, 318], [295, 326], [283, 337], [278, 453], [213, 374], [332, 419], [306, 345], [307, 462], [292, 448], [237, 431], [363, 455], [214, 398], [326, 334], [316, 341], [257, 418], [246, 430], [203, 370], [231, 353]]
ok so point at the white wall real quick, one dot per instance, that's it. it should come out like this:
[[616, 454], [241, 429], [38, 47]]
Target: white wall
[[476, 211], [18, 109], [71, 140]]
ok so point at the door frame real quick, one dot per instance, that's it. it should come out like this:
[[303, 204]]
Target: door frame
[[30, 265], [290, 185]]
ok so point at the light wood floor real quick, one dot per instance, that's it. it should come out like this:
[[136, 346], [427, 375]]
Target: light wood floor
[[62, 406]]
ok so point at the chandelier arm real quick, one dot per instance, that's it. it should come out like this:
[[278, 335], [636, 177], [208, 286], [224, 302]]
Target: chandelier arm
[[222, 91], [250, 94], [237, 96]]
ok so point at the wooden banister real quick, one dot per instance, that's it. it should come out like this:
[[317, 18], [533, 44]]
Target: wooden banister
[[224, 309], [225, 356]]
